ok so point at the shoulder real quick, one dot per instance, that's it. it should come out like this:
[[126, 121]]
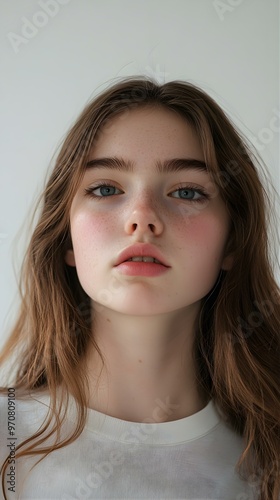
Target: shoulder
[[37, 402], [21, 415], [22, 402]]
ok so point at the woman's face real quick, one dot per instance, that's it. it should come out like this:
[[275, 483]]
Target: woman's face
[[145, 205]]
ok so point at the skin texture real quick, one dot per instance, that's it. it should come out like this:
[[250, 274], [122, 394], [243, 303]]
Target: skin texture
[[144, 325]]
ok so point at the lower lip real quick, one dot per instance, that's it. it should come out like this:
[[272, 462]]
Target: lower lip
[[131, 268]]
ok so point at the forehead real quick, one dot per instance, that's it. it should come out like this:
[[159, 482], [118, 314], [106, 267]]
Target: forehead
[[148, 130]]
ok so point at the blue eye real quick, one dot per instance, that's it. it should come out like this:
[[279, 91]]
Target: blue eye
[[104, 190], [189, 194]]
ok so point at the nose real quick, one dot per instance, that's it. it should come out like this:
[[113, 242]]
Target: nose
[[144, 218]]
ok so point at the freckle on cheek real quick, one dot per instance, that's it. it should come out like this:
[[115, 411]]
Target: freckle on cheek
[[96, 229]]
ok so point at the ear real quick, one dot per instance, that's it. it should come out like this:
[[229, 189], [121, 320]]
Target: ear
[[70, 258]]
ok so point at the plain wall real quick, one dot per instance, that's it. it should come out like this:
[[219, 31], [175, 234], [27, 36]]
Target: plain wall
[[57, 54]]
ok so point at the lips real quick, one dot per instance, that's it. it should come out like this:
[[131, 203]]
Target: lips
[[141, 250]]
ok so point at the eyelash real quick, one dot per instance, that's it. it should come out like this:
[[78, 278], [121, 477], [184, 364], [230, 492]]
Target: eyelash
[[197, 189]]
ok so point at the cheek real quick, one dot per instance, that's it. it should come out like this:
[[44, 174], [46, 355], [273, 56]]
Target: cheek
[[90, 234], [202, 244], [203, 237]]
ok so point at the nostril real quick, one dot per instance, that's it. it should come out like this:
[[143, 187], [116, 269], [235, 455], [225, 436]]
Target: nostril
[[150, 226]]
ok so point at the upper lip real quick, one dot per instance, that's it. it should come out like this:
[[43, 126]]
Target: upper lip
[[141, 250]]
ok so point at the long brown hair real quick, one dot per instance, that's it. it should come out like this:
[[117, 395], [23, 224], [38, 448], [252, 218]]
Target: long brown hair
[[237, 343]]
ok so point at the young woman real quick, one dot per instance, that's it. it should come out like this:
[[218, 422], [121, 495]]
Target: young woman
[[147, 345]]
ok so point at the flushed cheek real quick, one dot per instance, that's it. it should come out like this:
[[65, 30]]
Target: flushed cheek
[[204, 237], [90, 235]]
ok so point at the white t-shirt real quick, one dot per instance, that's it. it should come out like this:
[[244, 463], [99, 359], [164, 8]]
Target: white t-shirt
[[191, 458]]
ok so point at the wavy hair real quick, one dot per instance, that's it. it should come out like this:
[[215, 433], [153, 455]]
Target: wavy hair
[[237, 342]]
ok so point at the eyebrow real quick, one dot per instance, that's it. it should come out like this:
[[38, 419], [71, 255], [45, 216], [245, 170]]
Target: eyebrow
[[173, 165]]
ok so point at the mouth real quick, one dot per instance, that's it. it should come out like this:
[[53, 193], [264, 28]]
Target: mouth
[[142, 266], [143, 259], [142, 253]]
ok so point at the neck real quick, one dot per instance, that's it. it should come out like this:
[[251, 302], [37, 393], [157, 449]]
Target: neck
[[149, 373]]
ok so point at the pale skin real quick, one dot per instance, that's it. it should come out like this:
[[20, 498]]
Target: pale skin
[[145, 325]]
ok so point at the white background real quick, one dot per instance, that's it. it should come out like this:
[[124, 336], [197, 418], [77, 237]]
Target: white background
[[229, 48]]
